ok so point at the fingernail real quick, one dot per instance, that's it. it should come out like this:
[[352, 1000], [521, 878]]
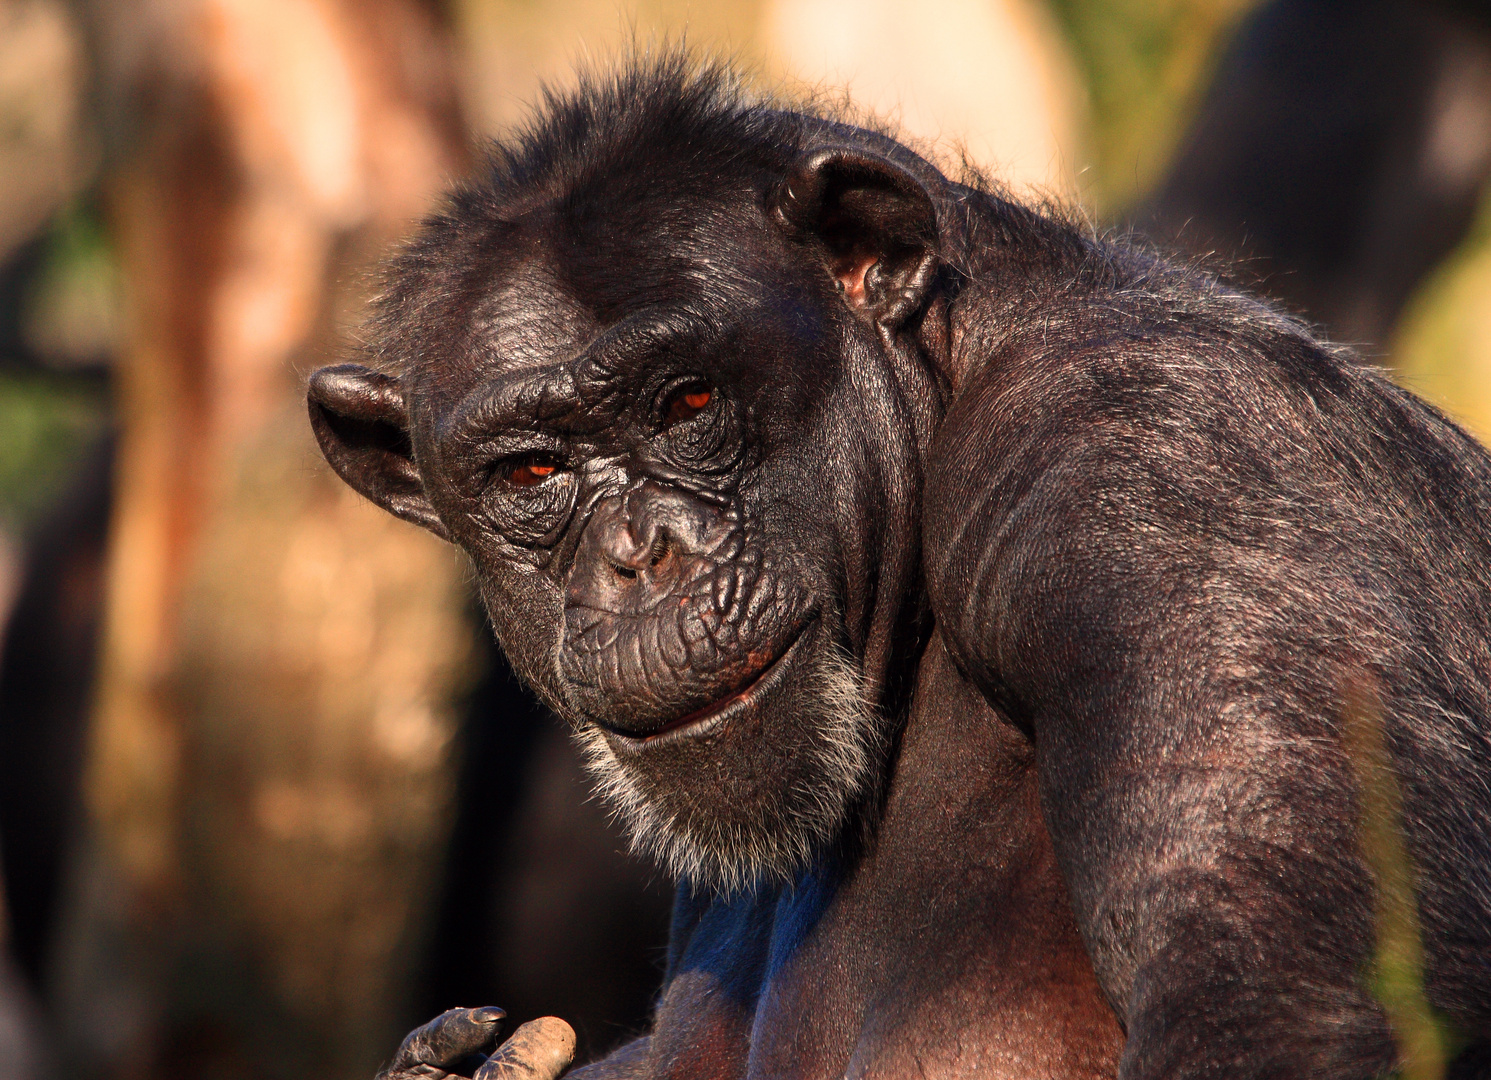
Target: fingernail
[[489, 1014]]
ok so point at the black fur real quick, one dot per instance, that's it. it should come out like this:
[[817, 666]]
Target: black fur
[[1068, 576]]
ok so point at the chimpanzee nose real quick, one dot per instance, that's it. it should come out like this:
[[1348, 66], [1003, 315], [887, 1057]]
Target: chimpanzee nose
[[637, 545], [634, 549]]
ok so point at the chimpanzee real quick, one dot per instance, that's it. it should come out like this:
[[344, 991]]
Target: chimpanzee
[[979, 618]]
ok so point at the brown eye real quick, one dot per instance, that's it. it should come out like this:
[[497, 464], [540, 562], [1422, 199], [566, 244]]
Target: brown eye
[[687, 402], [529, 473]]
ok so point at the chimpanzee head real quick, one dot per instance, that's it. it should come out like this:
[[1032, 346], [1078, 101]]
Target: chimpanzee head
[[667, 373]]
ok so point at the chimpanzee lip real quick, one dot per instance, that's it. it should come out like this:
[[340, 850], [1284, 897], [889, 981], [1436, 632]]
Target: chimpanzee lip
[[711, 717]]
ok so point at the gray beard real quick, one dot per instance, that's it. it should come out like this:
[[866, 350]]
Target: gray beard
[[845, 749]]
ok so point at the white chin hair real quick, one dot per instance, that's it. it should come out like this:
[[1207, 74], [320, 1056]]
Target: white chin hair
[[844, 749]]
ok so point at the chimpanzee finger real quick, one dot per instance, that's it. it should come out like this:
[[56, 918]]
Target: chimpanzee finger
[[539, 1050], [447, 1039]]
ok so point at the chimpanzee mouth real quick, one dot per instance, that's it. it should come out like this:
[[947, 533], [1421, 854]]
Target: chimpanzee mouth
[[711, 717]]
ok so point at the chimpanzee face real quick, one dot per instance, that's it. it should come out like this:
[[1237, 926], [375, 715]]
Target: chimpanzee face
[[687, 475]]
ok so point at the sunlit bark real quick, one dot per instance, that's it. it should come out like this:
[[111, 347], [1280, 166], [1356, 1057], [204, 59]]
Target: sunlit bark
[[267, 777]]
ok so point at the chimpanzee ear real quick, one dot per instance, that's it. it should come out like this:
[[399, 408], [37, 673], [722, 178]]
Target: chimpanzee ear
[[875, 224], [359, 419]]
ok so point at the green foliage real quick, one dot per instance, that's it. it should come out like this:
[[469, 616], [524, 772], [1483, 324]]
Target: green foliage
[[49, 417], [1427, 1042], [70, 312], [1145, 63], [1443, 345], [46, 423]]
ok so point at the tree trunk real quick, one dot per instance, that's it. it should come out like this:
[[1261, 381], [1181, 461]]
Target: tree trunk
[[267, 781]]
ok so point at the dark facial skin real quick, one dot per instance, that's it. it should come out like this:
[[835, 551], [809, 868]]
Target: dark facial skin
[[973, 615], [646, 508]]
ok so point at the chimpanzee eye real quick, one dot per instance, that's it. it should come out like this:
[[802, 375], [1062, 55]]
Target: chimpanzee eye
[[529, 471], [529, 497], [686, 402]]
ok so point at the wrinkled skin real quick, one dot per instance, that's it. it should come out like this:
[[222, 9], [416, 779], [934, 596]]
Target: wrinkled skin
[[683, 569], [977, 618], [463, 1042]]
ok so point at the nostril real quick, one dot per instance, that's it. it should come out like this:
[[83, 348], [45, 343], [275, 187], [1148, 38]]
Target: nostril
[[659, 550]]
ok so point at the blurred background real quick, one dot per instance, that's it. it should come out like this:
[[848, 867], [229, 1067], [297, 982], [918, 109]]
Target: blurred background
[[268, 795]]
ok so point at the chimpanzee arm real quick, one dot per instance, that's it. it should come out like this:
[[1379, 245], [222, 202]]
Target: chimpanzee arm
[[1143, 555]]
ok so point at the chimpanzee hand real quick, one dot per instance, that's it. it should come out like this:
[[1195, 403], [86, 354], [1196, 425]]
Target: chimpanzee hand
[[458, 1043]]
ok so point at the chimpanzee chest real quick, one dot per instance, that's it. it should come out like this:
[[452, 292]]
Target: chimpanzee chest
[[915, 959], [945, 986]]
